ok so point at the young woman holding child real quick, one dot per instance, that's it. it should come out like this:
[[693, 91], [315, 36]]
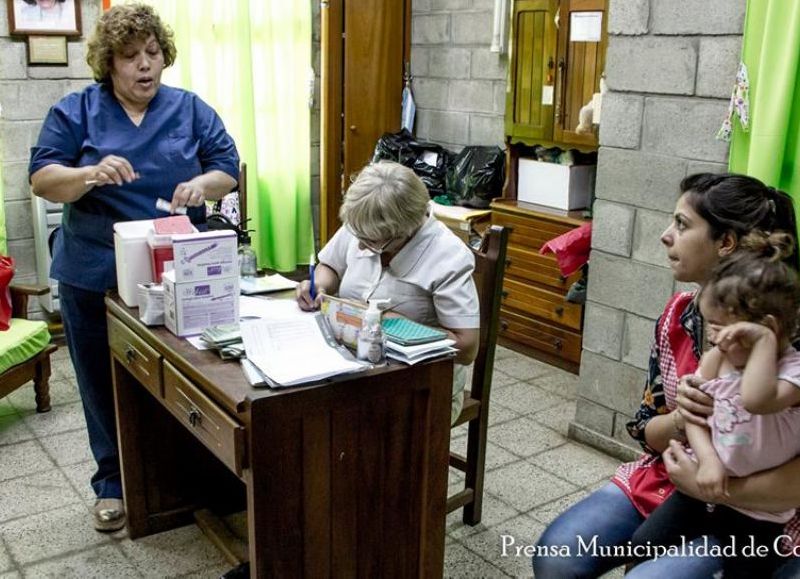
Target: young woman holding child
[[713, 214], [751, 305]]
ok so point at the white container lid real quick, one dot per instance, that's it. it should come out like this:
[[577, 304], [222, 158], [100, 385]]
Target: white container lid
[[133, 229]]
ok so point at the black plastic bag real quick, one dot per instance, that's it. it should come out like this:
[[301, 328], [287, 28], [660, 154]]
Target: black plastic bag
[[428, 160], [476, 176]]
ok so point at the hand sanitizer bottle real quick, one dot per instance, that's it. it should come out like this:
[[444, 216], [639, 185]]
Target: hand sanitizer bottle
[[370, 338], [248, 263]]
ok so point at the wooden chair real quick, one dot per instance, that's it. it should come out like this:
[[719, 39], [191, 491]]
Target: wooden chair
[[490, 263], [36, 368]]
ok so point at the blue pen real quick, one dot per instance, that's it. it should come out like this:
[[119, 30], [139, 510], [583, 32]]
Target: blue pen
[[312, 290]]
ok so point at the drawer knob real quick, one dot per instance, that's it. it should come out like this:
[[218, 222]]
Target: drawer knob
[[508, 263], [194, 417], [559, 311], [558, 344], [562, 278], [130, 354], [504, 294], [503, 325]]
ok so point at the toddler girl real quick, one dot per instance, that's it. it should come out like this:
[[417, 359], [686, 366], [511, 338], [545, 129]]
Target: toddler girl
[[750, 305]]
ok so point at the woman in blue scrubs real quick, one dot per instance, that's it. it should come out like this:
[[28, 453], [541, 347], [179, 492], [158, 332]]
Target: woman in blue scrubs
[[107, 153]]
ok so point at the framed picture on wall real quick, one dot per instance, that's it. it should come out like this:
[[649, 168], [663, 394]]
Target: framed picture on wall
[[44, 17]]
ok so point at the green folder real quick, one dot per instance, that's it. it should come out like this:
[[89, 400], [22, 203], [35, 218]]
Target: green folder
[[409, 333]]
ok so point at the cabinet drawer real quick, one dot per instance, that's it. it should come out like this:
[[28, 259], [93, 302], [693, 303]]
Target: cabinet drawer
[[558, 341], [211, 425], [541, 303], [537, 268], [530, 232], [140, 359]]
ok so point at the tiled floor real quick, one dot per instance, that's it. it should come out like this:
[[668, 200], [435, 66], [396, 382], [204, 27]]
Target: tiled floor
[[533, 473]]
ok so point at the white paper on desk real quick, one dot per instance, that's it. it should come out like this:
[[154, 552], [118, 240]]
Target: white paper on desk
[[265, 284], [250, 307], [293, 351], [419, 352], [198, 343]]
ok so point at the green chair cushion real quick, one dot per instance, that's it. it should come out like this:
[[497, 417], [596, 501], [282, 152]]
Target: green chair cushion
[[22, 341]]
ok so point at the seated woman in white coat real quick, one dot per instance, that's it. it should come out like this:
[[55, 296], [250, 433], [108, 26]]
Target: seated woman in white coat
[[392, 247]]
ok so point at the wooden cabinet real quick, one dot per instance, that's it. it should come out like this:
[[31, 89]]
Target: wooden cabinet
[[555, 69], [534, 313]]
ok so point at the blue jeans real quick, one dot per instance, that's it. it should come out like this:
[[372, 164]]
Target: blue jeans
[[606, 514], [610, 516], [84, 316]]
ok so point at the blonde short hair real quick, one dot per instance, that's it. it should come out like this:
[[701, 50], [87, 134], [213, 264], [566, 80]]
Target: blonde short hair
[[121, 26], [386, 201]]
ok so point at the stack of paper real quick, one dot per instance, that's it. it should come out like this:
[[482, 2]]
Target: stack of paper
[[293, 351], [413, 354], [266, 284]]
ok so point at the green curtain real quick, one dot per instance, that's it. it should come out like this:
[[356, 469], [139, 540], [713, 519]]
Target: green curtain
[[3, 247], [250, 60], [771, 51]]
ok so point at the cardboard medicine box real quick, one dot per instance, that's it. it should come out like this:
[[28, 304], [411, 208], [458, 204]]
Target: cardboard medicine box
[[192, 306], [564, 187], [205, 256]]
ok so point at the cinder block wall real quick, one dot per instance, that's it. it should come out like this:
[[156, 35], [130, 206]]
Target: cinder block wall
[[459, 85], [26, 94], [670, 69]]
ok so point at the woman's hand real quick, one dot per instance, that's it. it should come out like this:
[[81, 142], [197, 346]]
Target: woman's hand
[[694, 405], [188, 194], [682, 469], [712, 481], [303, 294], [112, 169]]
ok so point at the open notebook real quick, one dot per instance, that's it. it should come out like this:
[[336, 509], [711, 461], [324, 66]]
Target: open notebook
[[295, 350]]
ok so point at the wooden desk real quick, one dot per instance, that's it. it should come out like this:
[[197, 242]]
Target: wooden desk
[[343, 479]]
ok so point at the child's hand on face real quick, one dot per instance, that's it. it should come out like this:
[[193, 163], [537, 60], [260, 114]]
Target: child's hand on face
[[712, 481], [745, 334]]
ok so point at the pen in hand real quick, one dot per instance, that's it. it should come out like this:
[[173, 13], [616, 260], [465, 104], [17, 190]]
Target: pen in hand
[[312, 290]]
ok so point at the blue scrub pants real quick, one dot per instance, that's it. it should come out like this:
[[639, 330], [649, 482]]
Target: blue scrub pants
[[84, 316], [609, 515]]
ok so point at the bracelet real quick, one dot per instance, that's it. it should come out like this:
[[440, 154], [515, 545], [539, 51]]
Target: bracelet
[[678, 429]]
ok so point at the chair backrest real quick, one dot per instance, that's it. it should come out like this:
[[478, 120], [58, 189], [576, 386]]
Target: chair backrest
[[243, 195], [490, 262]]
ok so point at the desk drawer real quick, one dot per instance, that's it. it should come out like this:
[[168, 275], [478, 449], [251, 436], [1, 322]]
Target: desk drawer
[[140, 359], [202, 417], [558, 341], [542, 269], [529, 231], [541, 303]]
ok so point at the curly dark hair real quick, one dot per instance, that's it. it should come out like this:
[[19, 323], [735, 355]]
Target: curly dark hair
[[121, 26], [757, 282]]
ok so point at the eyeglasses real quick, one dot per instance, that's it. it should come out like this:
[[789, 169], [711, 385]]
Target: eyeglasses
[[369, 245]]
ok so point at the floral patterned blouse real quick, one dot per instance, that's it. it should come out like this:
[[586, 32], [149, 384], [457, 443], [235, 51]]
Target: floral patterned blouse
[[662, 377]]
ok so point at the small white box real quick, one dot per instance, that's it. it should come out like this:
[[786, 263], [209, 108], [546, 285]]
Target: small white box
[[133, 258], [564, 187], [208, 255], [191, 307]]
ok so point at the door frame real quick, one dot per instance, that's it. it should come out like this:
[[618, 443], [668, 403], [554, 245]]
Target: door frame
[[332, 109]]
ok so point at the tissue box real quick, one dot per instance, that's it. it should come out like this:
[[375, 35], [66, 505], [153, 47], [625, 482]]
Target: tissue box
[[564, 187], [191, 307], [204, 256]]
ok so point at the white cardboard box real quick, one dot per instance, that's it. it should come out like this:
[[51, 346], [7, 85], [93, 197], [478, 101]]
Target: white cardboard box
[[192, 306], [207, 255], [561, 186], [133, 258]]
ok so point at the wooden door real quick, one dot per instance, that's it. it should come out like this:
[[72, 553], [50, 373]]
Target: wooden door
[[365, 44], [529, 104], [580, 65]]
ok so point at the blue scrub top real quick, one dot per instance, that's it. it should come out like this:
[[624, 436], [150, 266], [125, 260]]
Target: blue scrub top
[[179, 138]]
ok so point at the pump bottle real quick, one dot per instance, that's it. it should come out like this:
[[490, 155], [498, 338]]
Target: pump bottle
[[370, 338]]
